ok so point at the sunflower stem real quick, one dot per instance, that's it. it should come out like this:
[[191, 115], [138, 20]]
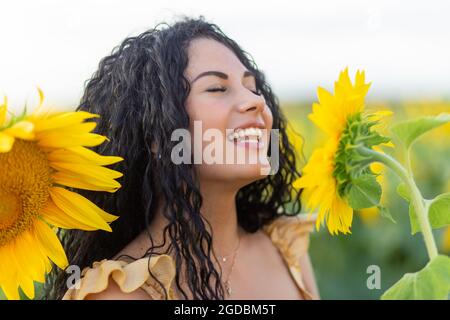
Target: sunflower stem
[[416, 197], [408, 163]]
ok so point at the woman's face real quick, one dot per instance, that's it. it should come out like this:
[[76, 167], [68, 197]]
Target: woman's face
[[223, 97]]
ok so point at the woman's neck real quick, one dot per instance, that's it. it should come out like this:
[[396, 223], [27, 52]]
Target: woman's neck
[[219, 209]]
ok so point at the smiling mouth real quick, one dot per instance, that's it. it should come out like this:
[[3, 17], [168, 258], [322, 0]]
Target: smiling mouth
[[251, 135]]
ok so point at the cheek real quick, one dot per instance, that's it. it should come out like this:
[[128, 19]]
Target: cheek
[[211, 113], [205, 114], [268, 117]]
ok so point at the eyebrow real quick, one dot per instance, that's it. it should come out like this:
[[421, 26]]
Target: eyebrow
[[220, 75]]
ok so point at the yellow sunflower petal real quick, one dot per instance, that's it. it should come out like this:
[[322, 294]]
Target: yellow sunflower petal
[[85, 183], [62, 120], [48, 266], [82, 155], [94, 157], [6, 142], [55, 216], [325, 97], [22, 130], [87, 170], [360, 78], [14, 271], [32, 259], [388, 144], [107, 217], [344, 82], [50, 243], [70, 140], [343, 215], [8, 273], [26, 283], [79, 208], [378, 115], [74, 130], [19, 259], [38, 110], [77, 128], [3, 109]]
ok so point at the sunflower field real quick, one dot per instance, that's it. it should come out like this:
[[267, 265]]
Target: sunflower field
[[354, 257]]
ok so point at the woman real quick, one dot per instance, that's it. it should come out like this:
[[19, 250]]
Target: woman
[[190, 230]]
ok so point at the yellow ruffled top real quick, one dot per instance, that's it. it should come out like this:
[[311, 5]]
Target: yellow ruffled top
[[289, 234]]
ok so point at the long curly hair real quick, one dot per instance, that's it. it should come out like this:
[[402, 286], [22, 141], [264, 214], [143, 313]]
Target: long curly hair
[[140, 91]]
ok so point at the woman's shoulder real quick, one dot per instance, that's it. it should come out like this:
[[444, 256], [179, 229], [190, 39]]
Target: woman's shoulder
[[290, 234], [153, 275]]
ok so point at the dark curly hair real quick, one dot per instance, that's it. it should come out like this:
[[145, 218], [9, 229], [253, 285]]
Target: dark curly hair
[[140, 91]]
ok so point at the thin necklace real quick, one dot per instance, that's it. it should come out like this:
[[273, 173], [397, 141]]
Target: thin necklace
[[225, 258], [227, 282]]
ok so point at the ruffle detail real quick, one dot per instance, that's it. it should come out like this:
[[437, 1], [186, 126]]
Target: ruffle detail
[[128, 276]]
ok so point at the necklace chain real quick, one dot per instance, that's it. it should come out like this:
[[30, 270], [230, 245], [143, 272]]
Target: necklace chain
[[225, 258], [227, 282]]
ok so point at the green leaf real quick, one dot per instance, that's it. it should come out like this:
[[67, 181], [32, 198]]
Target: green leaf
[[408, 131], [385, 213], [364, 192], [439, 211], [403, 191], [432, 282]]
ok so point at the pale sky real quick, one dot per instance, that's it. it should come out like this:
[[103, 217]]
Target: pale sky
[[404, 46]]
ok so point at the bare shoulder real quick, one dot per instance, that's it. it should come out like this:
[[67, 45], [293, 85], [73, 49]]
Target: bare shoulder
[[261, 248], [136, 248]]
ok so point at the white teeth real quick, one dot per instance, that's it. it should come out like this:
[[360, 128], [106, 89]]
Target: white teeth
[[248, 134]]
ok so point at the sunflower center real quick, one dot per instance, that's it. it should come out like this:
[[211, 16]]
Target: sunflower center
[[25, 181], [9, 209]]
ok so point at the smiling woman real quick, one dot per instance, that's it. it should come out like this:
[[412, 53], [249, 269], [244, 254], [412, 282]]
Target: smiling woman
[[190, 231]]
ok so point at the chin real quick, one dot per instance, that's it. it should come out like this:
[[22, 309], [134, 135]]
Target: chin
[[239, 174], [246, 173]]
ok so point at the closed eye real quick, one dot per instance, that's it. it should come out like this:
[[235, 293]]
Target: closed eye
[[219, 89], [222, 89]]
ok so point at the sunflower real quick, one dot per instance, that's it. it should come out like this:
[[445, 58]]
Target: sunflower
[[42, 154], [328, 175]]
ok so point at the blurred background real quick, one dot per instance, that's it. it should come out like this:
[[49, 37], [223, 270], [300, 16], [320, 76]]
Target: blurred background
[[403, 46]]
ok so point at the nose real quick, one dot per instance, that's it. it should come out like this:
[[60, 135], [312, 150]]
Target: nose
[[252, 103]]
